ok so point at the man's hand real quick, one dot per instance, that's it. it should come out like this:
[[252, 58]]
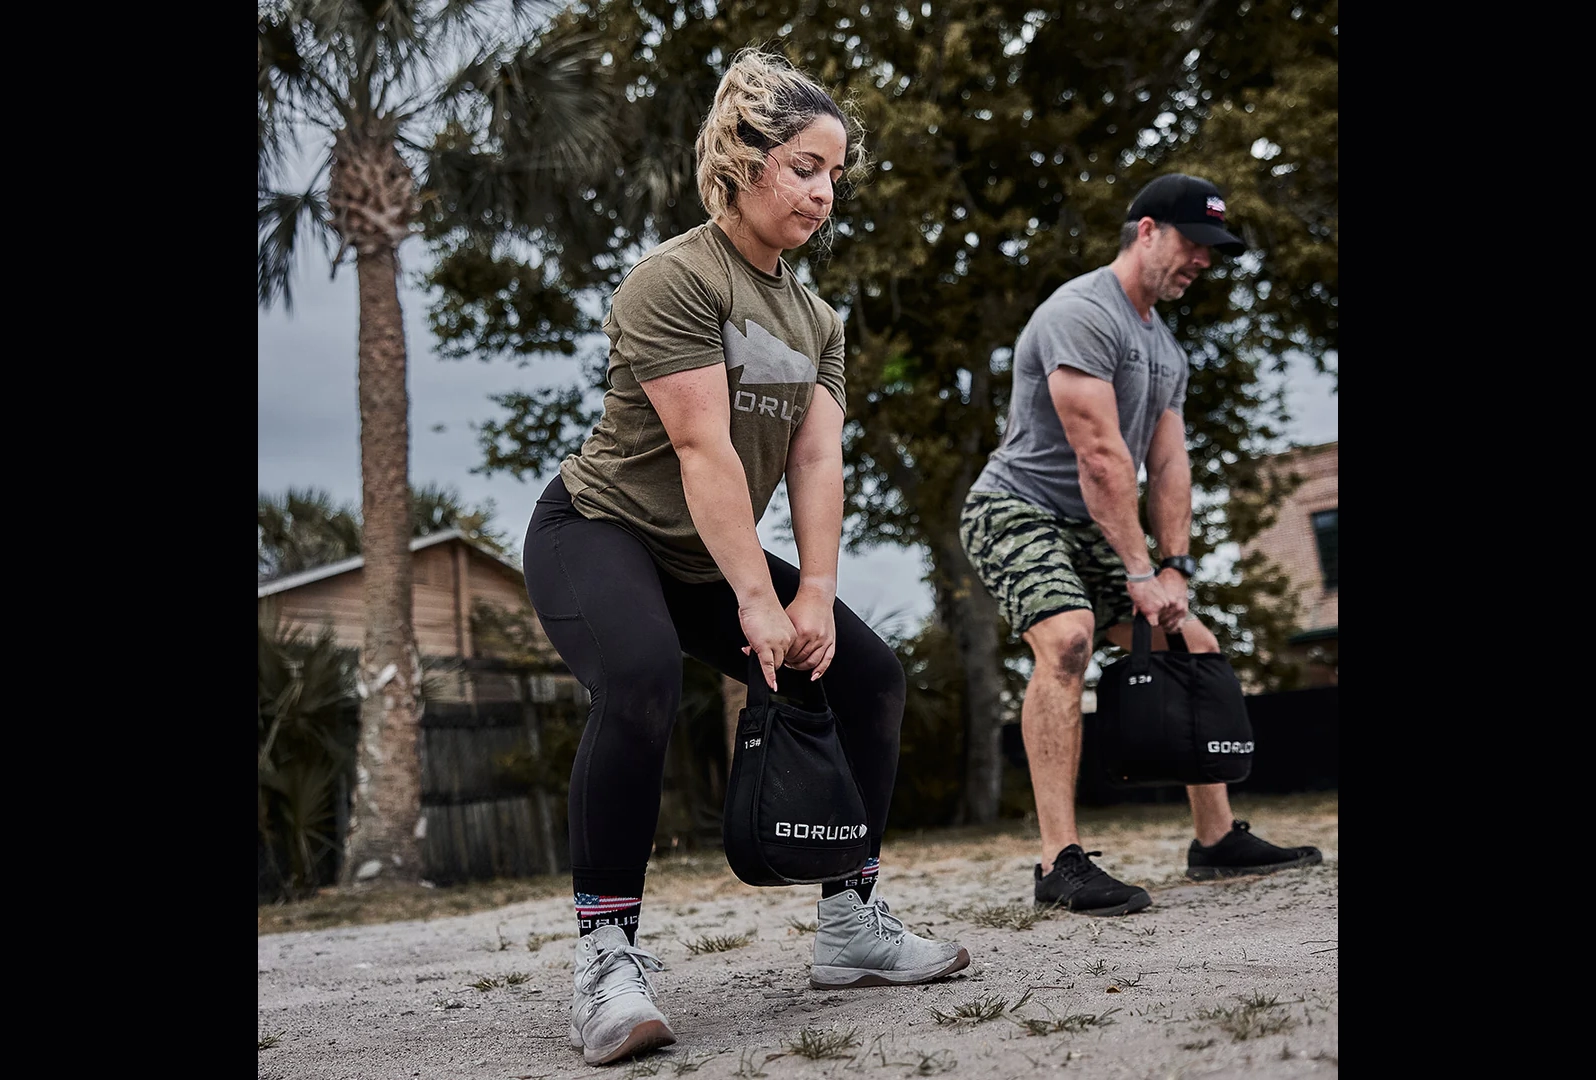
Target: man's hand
[[769, 632], [1152, 598], [815, 626], [1178, 591]]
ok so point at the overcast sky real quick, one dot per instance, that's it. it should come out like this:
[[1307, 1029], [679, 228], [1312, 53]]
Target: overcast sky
[[309, 427]]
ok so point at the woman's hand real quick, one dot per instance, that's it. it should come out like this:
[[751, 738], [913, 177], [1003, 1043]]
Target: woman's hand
[[769, 632], [815, 627]]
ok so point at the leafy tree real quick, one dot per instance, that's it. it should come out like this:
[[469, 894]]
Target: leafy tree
[[1008, 141], [420, 112]]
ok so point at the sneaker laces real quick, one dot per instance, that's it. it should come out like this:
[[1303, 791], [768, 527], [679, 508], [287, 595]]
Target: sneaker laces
[[613, 960], [882, 922], [1078, 869]]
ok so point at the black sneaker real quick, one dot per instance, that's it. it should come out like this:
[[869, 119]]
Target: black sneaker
[[1239, 852], [1076, 884]]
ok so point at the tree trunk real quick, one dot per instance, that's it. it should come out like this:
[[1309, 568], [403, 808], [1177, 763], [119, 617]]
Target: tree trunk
[[386, 826], [972, 617]]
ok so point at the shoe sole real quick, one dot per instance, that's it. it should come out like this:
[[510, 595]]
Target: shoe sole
[[845, 978], [648, 1035], [1210, 873], [1139, 901]]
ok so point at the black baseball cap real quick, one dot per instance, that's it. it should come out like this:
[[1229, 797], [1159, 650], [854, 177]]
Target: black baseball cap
[[1192, 205]]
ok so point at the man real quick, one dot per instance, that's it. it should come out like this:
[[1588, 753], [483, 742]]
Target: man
[[1052, 528]]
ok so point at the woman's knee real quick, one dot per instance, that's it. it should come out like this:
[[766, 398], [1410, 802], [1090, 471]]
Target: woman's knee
[[870, 688], [642, 691], [882, 673]]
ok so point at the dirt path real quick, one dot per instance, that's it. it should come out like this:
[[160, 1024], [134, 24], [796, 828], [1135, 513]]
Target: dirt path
[[1233, 978]]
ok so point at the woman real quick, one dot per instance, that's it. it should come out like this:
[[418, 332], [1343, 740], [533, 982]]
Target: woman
[[725, 374]]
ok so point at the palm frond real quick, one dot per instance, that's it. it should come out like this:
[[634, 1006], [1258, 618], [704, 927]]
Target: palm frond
[[282, 220], [555, 102], [302, 529]]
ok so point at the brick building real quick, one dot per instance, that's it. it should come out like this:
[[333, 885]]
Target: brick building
[[1303, 542]]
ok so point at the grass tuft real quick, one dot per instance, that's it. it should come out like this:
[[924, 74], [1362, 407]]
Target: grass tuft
[[1074, 1023], [820, 1045], [984, 1008], [937, 1061], [534, 942], [1256, 1017], [1001, 916], [269, 1041], [747, 1066], [713, 943]]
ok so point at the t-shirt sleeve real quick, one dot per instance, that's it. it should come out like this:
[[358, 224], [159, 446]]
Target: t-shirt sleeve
[[1177, 399], [830, 373], [1078, 335], [668, 319]]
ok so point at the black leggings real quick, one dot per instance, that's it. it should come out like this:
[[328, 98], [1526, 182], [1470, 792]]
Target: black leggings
[[621, 624]]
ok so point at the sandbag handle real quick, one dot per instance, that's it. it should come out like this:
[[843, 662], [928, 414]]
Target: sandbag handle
[[813, 693], [1142, 643]]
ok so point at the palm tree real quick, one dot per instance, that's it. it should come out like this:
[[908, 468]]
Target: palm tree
[[436, 508], [463, 94], [301, 529], [304, 528]]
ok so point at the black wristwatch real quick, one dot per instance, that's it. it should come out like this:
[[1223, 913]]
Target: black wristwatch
[[1184, 563]]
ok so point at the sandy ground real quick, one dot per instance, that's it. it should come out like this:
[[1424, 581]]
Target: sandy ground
[[1235, 978]]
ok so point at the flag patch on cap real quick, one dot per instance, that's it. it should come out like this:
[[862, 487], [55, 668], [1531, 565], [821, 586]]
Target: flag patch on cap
[[1216, 207]]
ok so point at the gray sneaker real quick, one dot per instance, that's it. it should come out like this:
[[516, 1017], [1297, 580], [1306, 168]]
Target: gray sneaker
[[612, 1011], [859, 944]]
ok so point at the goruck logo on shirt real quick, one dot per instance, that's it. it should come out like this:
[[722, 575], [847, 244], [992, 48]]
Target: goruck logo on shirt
[[765, 360]]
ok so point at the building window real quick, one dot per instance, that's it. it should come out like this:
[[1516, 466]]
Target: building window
[[1324, 534]]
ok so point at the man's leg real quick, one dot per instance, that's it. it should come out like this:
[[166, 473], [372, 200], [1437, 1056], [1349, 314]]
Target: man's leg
[[1027, 559], [1050, 723]]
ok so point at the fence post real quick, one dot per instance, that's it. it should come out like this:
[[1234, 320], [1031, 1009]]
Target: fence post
[[540, 797]]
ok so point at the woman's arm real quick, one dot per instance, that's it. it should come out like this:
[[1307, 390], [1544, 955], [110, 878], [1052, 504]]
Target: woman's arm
[[814, 490], [696, 414]]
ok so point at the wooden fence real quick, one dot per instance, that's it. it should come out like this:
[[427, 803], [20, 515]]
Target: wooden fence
[[492, 795]]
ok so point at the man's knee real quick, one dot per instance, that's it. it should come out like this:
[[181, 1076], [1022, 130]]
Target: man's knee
[[1062, 646]]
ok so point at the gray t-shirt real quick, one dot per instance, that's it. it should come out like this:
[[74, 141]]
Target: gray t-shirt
[[1088, 324]]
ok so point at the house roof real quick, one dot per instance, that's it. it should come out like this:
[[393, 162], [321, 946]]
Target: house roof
[[305, 577]]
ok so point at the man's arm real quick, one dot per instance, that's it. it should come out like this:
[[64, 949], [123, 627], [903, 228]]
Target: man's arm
[[814, 490], [1089, 411], [1169, 506], [1169, 485], [697, 416]]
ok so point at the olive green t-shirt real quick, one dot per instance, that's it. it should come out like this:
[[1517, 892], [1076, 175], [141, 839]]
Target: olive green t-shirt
[[689, 303]]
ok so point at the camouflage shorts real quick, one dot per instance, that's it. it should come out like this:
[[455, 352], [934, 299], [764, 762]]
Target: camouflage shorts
[[1037, 564]]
